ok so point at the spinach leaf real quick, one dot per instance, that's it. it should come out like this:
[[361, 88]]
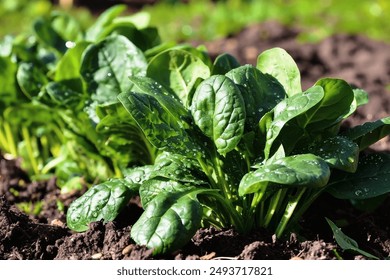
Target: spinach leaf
[[179, 71], [338, 95], [169, 221], [300, 170], [339, 152], [287, 110], [162, 127], [261, 93], [101, 202], [279, 64], [107, 65], [371, 179], [369, 133], [224, 63], [218, 110]]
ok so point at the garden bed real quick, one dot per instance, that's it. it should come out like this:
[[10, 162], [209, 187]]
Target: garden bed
[[356, 59]]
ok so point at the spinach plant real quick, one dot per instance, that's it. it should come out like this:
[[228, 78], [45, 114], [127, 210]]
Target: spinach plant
[[239, 146], [58, 104]]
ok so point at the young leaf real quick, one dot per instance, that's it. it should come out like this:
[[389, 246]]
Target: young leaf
[[218, 110], [339, 152], [179, 71], [68, 67], [101, 202], [261, 92], [287, 110], [336, 103], [371, 179], [300, 170], [279, 64], [107, 65], [369, 133], [169, 221], [224, 63], [345, 242], [104, 21]]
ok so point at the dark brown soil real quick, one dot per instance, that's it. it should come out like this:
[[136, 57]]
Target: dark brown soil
[[356, 59]]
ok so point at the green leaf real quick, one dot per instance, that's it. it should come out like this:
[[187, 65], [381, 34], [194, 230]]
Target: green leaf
[[179, 71], [178, 168], [168, 100], [107, 65], [224, 63], [279, 64], [287, 110], [218, 110], [345, 242], [45, 32], [336, 103], [169, 221], [31, 79], [64, 96], [371, 179], [8, 92], [68, 67], [104, 21], [369, 133], [163, 128], [300, 170], [261, 92], [101, 202], [339, 152]]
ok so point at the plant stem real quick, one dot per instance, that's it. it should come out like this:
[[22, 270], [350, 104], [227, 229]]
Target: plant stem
[[10, 139], [289, 210], [274, 205], [27, 139]]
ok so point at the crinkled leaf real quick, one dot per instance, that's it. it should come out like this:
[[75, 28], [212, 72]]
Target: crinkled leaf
[[287, 110], [339, 152], [261, 92], [218, 110], [369, 133], [371, 179], [279, 64], [107, 65], [100, 202], [139, 174], [179, 71], [163, 128], [64, 96], [345, 242], [31, 79], [300, 170], [178, 168], [168, 100], [169, 221], [224, 63]]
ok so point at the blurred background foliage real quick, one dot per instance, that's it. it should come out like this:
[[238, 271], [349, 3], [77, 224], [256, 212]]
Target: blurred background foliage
[[205, 20]]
